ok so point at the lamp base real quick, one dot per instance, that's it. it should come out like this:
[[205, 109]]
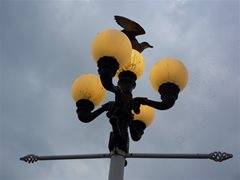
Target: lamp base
[[85, 104], [108, 62], [137, 128], [167, 90]]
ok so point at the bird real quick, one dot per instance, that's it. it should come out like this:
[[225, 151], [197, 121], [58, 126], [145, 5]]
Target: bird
[[132, 29]]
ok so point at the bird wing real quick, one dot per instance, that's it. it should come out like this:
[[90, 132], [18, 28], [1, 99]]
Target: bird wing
[[129, 25]]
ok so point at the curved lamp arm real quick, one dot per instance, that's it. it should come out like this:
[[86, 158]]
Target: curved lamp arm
[[107, 68], [85, 107], [106, 77], [166, 103], [169, 94]]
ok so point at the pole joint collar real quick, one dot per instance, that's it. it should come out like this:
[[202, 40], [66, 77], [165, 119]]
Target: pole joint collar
[[117, 151]]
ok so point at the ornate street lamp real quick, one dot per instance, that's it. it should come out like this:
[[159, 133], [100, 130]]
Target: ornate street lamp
[[168, 76], [115, 58]]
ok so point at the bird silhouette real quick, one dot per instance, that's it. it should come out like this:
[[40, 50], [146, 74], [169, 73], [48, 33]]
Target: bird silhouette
[[132, 29]]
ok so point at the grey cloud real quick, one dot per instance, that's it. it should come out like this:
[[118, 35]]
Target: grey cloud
[[47, 44]]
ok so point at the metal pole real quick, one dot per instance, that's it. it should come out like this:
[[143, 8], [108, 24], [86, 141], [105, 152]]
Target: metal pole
[[168, 156], [31, 158], [216, 156], [116, 170]]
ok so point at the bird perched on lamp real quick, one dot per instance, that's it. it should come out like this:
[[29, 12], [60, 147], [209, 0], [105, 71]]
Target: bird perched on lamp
[[132, 29]]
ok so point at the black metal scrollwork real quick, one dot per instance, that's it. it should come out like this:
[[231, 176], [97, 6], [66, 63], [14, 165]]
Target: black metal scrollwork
[[31, 158], [219, 156]]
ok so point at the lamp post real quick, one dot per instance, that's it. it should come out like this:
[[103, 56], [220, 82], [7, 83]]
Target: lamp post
[[113, 53]]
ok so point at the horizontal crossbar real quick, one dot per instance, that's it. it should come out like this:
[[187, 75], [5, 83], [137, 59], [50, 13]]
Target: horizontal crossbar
[[216, 156]]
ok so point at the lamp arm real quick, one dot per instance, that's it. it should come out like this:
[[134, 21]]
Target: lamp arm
[[86, 115], [107, 68], [107, 81], [166, 103]]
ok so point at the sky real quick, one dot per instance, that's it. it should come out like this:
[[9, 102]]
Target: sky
[[45, 45]]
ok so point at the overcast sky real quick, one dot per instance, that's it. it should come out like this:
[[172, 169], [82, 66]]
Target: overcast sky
[[45, 45]]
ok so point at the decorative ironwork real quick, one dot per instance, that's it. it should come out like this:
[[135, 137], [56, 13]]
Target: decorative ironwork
[[216, 156], [31, 158], [219, 156]]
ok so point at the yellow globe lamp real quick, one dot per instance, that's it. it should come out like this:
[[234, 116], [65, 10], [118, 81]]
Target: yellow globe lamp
[[168, 70], [146, 115], [112, 43], [136, 64], [88, 87]]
